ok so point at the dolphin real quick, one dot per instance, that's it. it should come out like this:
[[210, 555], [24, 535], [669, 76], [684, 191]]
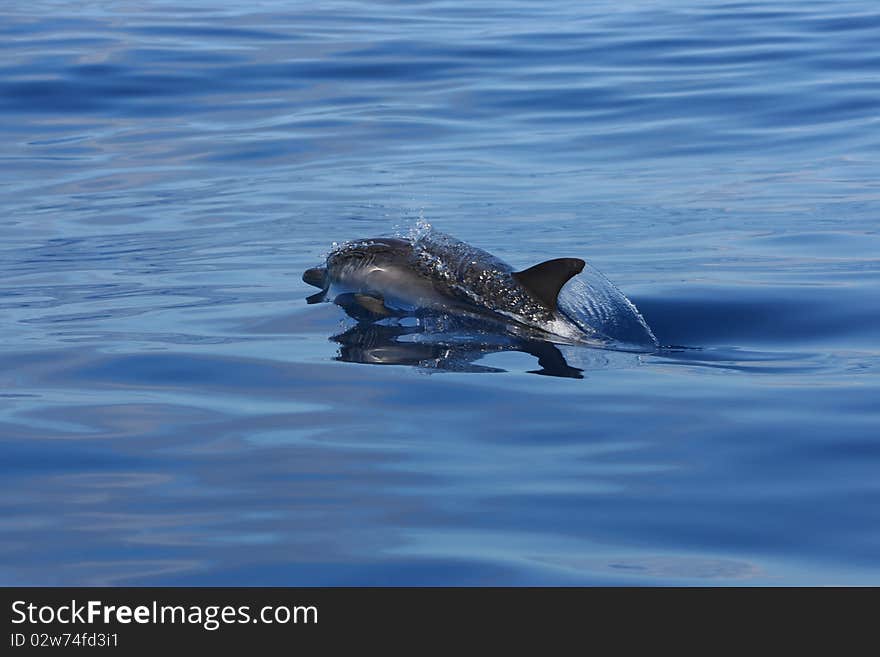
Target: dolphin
[[383, 277]]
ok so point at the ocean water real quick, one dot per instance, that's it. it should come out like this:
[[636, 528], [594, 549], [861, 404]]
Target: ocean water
[[172, 411]]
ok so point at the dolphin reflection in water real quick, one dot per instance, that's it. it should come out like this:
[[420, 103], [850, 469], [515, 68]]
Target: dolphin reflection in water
[[380, 344], [447, 284]]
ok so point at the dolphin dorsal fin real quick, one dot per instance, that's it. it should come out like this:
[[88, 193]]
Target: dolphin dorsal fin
[[545, 280]]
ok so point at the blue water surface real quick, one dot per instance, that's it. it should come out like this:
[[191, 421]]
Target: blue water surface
[[173, 412]]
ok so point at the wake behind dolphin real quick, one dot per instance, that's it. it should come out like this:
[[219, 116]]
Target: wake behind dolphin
[[434, 274]]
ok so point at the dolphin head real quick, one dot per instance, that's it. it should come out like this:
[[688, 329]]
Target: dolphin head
[[381, 266], [316, 276], [371, 272], [353, 258], [348, 264]]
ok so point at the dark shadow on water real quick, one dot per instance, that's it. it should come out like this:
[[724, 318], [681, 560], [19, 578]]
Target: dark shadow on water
[[444, 344], [775, 317], [380, 344]]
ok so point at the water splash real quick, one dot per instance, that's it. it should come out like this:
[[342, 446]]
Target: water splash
[[598, 308], [419, 230]]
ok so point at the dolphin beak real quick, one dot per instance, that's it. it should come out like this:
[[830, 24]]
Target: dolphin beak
[[316, 276]]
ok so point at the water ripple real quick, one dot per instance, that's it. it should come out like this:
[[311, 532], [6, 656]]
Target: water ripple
[[172, 412]]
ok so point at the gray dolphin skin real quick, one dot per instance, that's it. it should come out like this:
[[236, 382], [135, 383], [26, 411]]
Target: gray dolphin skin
[[384, 277]]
